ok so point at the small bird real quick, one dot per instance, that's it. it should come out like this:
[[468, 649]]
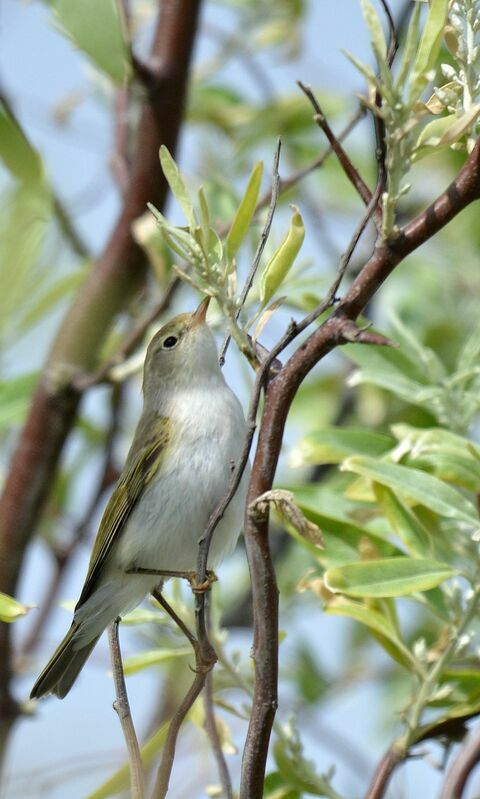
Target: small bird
[[187, 442]]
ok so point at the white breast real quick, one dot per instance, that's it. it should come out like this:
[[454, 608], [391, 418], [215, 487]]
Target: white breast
[[171, 516]]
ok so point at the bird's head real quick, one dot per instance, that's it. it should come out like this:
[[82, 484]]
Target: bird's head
[[183, 352]]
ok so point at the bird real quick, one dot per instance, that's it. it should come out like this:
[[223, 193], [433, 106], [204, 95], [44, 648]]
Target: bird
[[189, 437]]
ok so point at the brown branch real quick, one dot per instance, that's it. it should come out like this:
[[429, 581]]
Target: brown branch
[[350, 170], [116, 276], [461, 769], [384, 771], [215, 743], [122, 708], [205, 659], [279, 395]]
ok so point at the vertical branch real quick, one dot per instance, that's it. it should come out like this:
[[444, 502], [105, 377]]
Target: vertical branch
[[122, 709]]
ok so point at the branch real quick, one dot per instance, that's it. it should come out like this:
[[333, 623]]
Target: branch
[[385, 769], [122, 708], [215, 743], [350, 170], [463, 765], [116, 276], [205, 659], [279, 395]]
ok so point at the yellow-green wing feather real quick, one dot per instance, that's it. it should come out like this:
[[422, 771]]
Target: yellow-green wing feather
[[142, 464]]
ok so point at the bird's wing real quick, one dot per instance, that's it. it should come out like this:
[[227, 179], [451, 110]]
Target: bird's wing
[[142, 464]]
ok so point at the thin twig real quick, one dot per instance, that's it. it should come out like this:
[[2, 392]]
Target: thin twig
[[122, 709], [163, 777], [261, 246], [214, 738], [205, 659], [350, 170]]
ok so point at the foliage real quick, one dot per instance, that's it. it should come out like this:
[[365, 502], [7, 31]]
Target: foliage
[[382, 455]]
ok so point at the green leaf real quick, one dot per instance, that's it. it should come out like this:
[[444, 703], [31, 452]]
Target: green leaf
[[375, 28], [153, 657], [343, 539], [470, 353], [387, 577], [416, 485], [10, 609], [120, 781], [404, 522], [177, 186], [411, 46], [282, 260], [16, 152], [245, 212], [95, 27], [382, 629], [429, 48], [15, 398], [334, 444]]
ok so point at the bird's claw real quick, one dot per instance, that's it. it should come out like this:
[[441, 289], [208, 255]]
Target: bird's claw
[[202, 587]]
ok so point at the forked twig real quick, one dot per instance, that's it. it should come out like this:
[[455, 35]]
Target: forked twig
[[205, 659], [122, 709]]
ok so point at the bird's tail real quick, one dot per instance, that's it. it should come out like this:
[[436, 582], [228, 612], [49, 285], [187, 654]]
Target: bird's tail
[[64, 666]]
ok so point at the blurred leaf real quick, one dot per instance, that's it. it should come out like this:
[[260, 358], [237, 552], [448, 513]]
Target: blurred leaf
[[411, 46], [16, 152], [429, 48], [15, 397], [404, 522], [334, 444], [120, 781], [177, 186], [416, 485], [382, 629], [375, 28], [282, 260], [11, 609], [96, 29], [152, 657], [245, 212], [343, 539], [296, 770], [276, 787], [49, 299], [387, 577]]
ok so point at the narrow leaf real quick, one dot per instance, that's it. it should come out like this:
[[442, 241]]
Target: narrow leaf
[[378, 625], [429, 47], [387, 577], [282, 260], [244, 213], [334, 444], [153, 657], [177, 186], [11, 609], [418, 486], [95, 28]]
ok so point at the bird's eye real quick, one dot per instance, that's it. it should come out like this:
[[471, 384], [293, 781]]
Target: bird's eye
[[170, 342]]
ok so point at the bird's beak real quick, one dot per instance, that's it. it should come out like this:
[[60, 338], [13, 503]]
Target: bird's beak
[[199, 316]]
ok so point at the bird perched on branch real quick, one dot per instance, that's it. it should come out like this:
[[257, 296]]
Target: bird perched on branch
[[189, 437]]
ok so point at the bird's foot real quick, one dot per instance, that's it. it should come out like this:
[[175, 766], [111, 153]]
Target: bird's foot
[[201, 587], [191, 576]]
